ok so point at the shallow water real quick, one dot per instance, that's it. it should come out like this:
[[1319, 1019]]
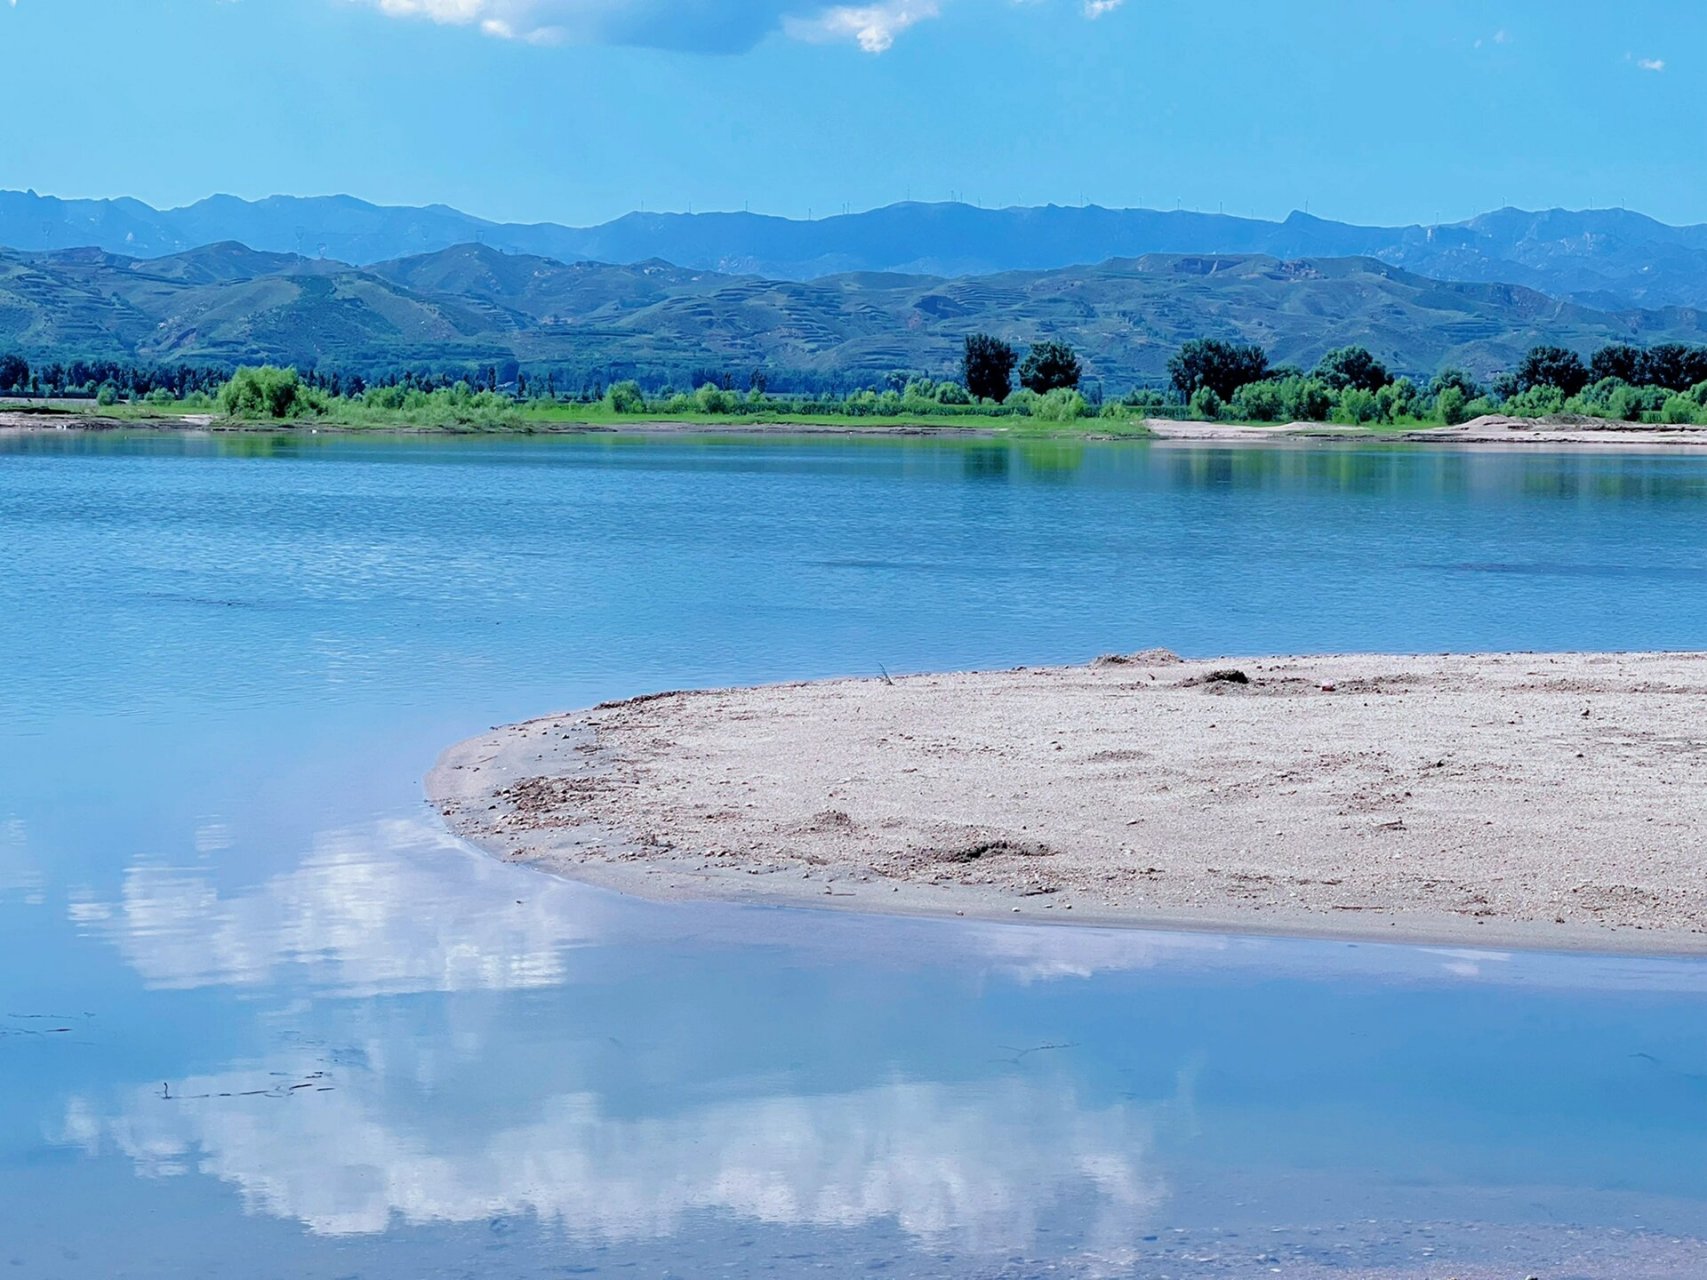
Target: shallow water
[[259, 1015]]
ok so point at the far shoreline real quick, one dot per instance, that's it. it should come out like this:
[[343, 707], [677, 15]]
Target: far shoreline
[[1566, 435], [1009, 796]]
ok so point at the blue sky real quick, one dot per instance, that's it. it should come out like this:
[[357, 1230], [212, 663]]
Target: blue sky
[[579, 110]]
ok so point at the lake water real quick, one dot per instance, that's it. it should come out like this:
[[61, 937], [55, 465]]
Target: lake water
[[259, 1016]]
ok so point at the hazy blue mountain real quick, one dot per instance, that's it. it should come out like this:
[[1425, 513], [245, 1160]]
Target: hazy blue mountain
[[471, 305], [1608, 258]]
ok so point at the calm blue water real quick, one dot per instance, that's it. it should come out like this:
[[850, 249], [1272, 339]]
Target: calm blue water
[[260, 1017]]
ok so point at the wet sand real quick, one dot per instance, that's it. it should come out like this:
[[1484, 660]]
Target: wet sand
[[1552, 800]]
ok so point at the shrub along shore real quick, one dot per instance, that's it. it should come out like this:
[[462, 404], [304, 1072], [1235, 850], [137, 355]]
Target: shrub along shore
[[1209, 381]]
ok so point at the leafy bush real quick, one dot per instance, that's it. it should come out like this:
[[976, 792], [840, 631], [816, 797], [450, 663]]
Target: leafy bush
[[1680, 408], [1023, 401], [1146, 400], [951, 393], [712, 398], [1305, 399], [1060, 405], [1538, 401], [1355, 405], [107, 396], [1205, 405], [1449, 405], [1258, 402], [1395, 400], [625, 397], [264, 392], [1634, 404]]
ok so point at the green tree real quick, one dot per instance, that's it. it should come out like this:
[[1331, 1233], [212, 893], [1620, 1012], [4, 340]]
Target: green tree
[[1674, 365], [14, 373], [1452, 376], [1050, 366], [1619, 360], [1352, 367], [1221, 367], [987, 367], [1547, 366]]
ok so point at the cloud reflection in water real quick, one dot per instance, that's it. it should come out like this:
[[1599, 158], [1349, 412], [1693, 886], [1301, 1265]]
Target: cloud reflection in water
[[980, 1167]]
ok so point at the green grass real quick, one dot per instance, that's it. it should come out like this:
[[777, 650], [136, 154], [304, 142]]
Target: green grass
[[539, 416]]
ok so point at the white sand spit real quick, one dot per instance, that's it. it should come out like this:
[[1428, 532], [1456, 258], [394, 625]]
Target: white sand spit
[[1510, 799]]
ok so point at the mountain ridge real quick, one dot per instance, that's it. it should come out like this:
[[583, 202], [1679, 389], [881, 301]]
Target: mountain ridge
[[1608, 258]]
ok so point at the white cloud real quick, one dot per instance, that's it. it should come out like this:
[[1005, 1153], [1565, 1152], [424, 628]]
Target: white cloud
[[705, 26], [873, 27], [1651, 64]]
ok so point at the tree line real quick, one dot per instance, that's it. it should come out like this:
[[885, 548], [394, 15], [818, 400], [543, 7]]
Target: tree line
[[1666, 382], [1207, 378]]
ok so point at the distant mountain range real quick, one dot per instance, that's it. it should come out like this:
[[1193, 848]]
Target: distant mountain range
[[1605, 258], [471, 304]]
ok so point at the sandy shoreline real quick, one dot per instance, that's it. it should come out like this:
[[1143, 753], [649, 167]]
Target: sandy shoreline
[[1550, 800]]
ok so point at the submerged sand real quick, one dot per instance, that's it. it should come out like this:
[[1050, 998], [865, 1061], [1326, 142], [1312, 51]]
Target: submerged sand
[[1510, 799]]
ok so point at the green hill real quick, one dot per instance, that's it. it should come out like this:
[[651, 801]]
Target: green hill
[[472, 304]]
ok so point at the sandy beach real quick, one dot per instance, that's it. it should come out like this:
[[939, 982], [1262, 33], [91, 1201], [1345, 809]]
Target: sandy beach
[[1494, 429], [1540, 800]]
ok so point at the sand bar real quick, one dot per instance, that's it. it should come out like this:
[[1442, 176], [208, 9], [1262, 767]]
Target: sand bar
[[1543, 800]]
